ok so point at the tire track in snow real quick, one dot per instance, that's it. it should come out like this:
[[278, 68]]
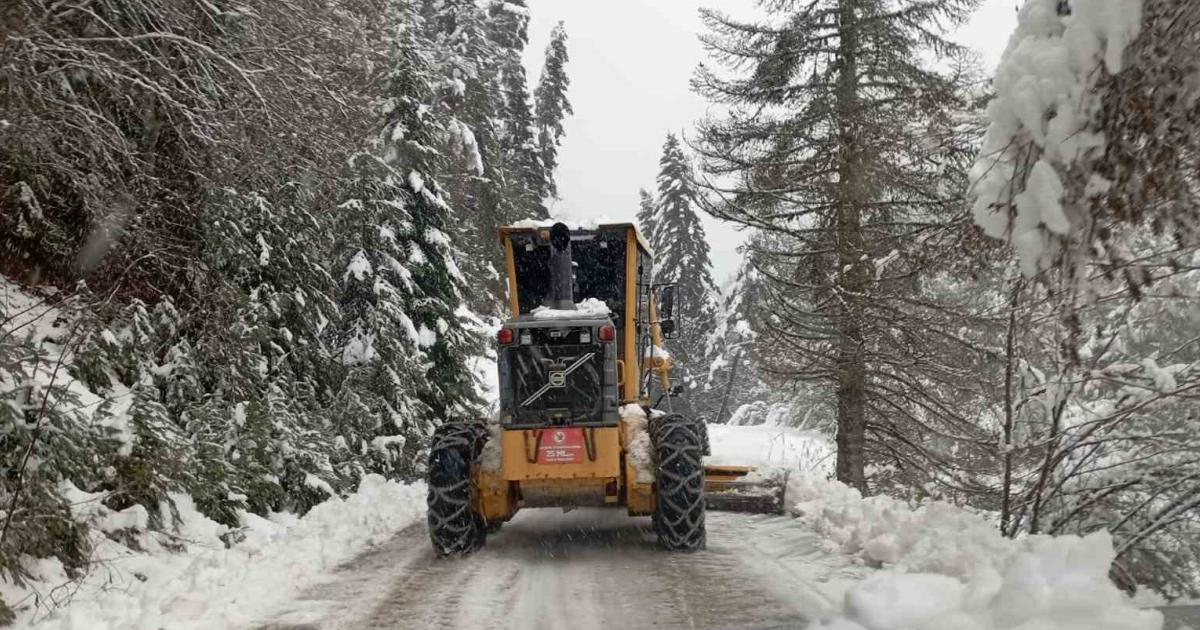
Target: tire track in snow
[[357, 583], [584, 569], [782, 554]]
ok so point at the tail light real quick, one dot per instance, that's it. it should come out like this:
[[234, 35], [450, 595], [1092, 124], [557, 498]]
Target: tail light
[[606, 333], [505, 336]]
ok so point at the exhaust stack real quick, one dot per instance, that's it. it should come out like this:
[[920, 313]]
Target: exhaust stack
[[562, 274]]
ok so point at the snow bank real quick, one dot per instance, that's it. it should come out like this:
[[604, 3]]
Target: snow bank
[[783, 447], [208, 585], [590, 307], [947, 568]]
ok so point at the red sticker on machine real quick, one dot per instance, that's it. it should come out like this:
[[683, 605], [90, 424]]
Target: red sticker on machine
[[560, 446]]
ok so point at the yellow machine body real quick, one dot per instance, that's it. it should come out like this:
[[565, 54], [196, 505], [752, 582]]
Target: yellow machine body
[[608, 477]]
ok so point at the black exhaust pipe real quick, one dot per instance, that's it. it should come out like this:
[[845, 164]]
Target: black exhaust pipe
[[562, 276]]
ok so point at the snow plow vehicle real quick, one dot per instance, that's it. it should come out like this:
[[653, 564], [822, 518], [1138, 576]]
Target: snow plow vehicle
[[579, 362]]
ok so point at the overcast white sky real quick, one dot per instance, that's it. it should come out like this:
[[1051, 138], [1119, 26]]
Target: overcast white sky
[[630, 62]]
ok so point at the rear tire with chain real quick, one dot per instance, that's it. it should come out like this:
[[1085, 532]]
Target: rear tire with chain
[[679, 510], [454, 526]]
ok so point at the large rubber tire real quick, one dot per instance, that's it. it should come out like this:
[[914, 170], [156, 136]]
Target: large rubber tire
[[702, 432], [679, 484], [454, 526]]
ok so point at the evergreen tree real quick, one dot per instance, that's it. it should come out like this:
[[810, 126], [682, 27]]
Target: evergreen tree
[[273, 355], [521, 176], [681, 257], [645, 214], [44, 442], [403, 338], [552, 106], [836, 140], [463, 62]]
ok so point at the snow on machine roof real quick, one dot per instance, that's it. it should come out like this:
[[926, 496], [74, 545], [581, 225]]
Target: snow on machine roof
[[593, 225]]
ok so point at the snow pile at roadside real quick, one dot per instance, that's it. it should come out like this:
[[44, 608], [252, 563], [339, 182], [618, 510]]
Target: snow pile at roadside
[[590, 307], [208, 585], [949, 569], [784, 447]]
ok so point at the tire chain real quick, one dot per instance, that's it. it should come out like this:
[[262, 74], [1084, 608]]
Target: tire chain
[[679, 514], [454, 527]]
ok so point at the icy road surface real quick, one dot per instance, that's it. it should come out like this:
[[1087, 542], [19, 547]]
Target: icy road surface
[[590, 568]]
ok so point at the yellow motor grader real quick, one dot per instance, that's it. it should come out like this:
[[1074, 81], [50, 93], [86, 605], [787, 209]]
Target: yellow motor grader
[[579, 361]]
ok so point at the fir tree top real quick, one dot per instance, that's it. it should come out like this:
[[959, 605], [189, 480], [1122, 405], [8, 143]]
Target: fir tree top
[[552, 106], [681, 250], [645, 214], [410, 133]]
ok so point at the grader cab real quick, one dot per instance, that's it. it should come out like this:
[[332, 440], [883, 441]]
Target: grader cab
[[585, 414]]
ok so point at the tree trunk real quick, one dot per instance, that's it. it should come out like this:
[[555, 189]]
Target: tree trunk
[[1009, 368], [852, 277]]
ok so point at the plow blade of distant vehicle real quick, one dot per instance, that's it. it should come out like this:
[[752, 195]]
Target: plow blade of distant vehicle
[[745, 489]]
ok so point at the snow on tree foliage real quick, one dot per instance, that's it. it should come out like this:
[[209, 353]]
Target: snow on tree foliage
[[401, 339], [732, 378], [1047, 128], [681, 256], [495, 145], [1088, 176], [464, 66], [525, 184], [551, 104], [1091, 178], [645, 214]]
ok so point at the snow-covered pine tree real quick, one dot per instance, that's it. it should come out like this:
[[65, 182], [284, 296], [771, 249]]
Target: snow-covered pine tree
[[403, 338], [466, 93], [436, 307], [835, 127], [277, 375], [44, 442], [681, 257], [645, 214], [551, 104], [521, 176]]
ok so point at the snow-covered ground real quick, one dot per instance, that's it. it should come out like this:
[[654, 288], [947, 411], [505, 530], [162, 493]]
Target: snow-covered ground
[[784, 447], [190, 579], [943, 567], [935, 566]]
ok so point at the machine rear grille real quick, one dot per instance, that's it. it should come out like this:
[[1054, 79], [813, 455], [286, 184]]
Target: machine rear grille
[[557, 383]]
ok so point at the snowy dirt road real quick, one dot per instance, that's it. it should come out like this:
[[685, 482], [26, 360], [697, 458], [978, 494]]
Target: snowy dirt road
[[589, 568]]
